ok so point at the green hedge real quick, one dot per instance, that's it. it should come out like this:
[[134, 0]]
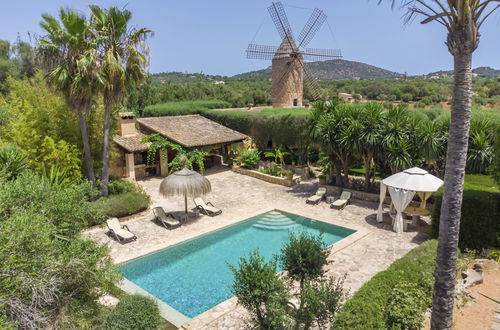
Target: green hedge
[[134, 312], [479, 222], [367, 309], [183, 108], [125, 198]]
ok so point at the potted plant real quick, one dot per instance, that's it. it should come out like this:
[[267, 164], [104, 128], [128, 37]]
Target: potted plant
[[322, 179], [288, 174]]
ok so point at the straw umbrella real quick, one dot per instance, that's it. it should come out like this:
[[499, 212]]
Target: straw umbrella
[[185, 183]]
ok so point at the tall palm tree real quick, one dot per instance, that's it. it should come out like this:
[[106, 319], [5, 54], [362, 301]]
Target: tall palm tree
[[123, 59], [462, 20], [364, 135], [69, 53]]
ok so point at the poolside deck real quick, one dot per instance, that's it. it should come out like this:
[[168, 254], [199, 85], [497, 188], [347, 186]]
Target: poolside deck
[[374, 248]]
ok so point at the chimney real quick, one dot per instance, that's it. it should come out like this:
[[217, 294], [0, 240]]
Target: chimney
[[126, 124]]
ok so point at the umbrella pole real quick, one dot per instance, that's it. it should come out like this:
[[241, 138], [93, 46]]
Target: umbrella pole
[[186, 203]]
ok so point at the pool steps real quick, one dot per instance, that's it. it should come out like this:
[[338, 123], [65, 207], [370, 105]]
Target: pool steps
[[275, 221]]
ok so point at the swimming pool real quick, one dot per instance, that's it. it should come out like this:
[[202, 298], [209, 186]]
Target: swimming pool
[[192, 277]]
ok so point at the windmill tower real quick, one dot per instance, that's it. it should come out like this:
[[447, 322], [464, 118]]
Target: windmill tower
[[288, 71]]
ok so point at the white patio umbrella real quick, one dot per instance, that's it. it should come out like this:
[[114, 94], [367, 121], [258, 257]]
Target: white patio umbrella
[[402, 188], [185, 183]]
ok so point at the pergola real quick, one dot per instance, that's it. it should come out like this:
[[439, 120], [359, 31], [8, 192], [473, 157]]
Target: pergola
[[402, 188]]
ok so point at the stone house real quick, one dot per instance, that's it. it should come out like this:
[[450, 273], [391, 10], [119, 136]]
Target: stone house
[[189, 131]]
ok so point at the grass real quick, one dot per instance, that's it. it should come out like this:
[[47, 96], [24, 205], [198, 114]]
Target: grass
[[183, 108], [481, 182], [477, 113]]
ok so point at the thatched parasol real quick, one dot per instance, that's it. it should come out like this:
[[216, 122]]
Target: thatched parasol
[[185, 183]]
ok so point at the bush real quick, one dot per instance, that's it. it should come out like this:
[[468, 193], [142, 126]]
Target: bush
[[303, 256], [367, 309], [120, 186], [249, 157], [479, 225], [51, 277], [260, 291], [264, 293], [124, 204], [12, 161], [406, 305], [134, 312]]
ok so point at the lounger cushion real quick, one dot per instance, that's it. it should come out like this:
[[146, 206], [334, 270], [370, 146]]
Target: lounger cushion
[[211, 209], [200, 202], [339, 202], [314, 198], [123, 233]]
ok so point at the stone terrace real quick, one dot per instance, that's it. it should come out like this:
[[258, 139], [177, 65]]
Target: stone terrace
[[241, 197]]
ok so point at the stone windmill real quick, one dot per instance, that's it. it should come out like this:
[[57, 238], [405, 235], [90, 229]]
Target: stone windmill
[[288, 71]]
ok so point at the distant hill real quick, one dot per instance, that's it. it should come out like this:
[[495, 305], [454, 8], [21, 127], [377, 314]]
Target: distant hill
[[328, 70], [482, 71], [487, 72]]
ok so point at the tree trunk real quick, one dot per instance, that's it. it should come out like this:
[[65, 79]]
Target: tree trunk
[[367, 160], [338, 173], [105, 147], [89, 162], [449, 226]]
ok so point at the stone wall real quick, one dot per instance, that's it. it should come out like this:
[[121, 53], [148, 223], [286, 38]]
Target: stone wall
[[264, 177], [356, 194]]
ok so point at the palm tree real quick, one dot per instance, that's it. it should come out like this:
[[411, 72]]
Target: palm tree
[[364, 134], [68, 51], [278, 155], [462, 20], [330, 121], [123, 57]]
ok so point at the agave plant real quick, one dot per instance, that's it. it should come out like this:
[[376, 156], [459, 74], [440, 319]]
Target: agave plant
[[55, 176], [12, 162]]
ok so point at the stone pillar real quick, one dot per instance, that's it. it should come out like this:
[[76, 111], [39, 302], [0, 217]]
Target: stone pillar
[[129, 162], [163, 163]]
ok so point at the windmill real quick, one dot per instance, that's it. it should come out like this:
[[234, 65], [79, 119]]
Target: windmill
[[288, 71]]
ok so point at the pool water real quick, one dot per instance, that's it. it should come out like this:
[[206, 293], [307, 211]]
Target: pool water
[[193, 276]]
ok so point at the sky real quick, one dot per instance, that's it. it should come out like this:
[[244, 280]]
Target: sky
[[210, 36]]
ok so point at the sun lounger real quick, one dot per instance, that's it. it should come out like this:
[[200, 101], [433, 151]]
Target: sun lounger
[[342, 201], [206, 208], [121, 233], [165, 219], [317, 197]]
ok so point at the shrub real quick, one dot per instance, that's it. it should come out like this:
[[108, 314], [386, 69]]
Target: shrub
[[249, 157], [51, 277], [479, 225], [12, 161], [303, 256], [134, 312], [123, 204], [264, 293], [405, 307], [260, 291], [367, 309], [120, 186]]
